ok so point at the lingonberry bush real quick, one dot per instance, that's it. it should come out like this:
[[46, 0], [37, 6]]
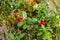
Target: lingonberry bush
[[29, 20]]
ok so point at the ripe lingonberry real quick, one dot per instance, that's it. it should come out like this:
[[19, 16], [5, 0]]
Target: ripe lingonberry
[[19, 19], [42, 21], [39, 23], [16, 15]]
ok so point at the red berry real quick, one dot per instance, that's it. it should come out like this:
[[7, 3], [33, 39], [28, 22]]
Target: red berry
[[42, 22], [39, 23], [19, 19], [42, 19], [16, 15]]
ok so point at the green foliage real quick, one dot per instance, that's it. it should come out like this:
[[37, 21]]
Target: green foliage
[[58, 33], [11, 36], [29, 20], [18, 36], [20, 24], [31, 15], [47, 34], [34, 20], [41, 10], [9, 5]]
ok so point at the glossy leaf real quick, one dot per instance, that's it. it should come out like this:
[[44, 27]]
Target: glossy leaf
[[20, 24], [24, 14]]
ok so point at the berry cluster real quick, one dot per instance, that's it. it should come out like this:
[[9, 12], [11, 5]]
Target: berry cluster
[[18, 18], [41, 22]]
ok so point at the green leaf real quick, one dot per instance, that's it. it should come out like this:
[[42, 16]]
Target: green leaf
[[29, 21], [47, 36], [36, 26], [35, 7], [20, 24], [11, 36], [43, 27], [34, 20], [18, 33], [21, 35], [24, 14], [25, 26], [17, 38], [40, 33], [49, 28]]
